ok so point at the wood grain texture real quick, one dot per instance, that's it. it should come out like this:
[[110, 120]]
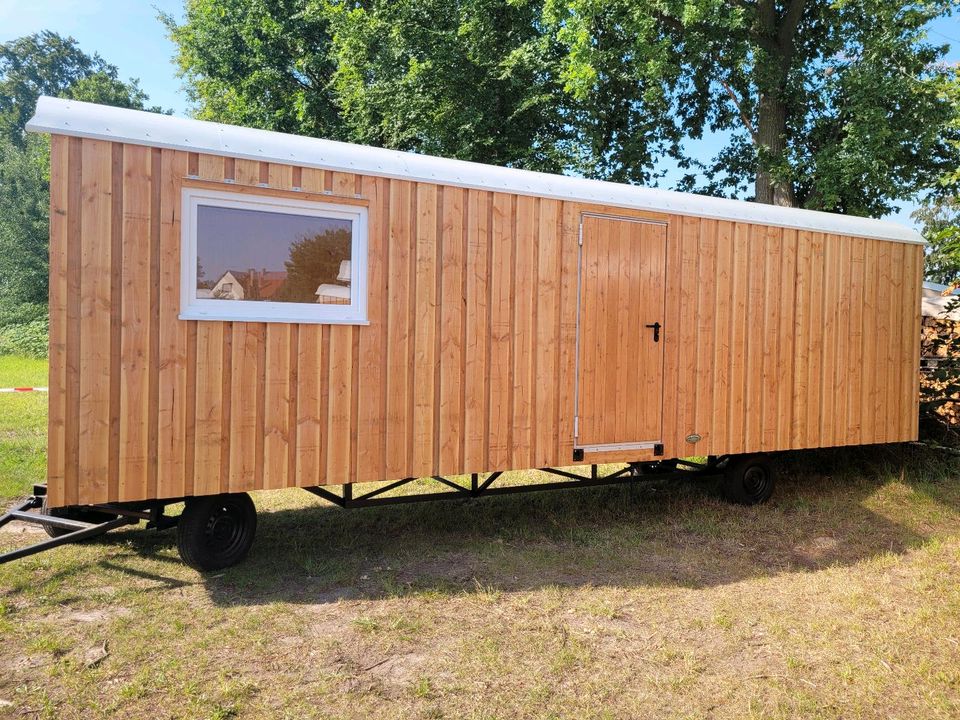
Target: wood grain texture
[[135, 320], [477, 330], [723, 333], [57, 423], [688, 299], [452, 314], [425, 340], [737, 360], [621, 293], [208, 406], [172, 365], [704, 326], [95, 308], [772, 338], [371, 451], [500, 387], [546, 365]]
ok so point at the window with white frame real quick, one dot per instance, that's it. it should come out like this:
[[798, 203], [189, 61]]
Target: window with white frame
[[272, 259]]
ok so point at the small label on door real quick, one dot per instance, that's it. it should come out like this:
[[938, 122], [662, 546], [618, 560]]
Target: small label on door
[[694, 438]]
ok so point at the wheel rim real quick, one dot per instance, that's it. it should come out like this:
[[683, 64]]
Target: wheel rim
[[224, 531], [756, 481]]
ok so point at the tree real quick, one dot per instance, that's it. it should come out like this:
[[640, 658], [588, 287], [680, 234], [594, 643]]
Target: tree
[[44, 63], [940, 213], [940, 218], [469, 79], [466, 79], [259, 63], [835, 106], [314, 260], [24, 226]]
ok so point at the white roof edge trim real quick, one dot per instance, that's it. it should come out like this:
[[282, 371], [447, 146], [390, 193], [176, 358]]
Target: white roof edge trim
[[81, 119]]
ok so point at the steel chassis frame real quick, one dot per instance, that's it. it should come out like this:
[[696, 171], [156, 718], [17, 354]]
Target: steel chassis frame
[[633, 472], [127, 514], [153, 511]]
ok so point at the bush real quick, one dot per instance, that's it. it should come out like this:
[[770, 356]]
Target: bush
[[13, 312], [29, 338]]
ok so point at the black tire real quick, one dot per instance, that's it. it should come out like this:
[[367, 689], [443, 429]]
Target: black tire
[[748, 480], [91, 516], [216, 531]]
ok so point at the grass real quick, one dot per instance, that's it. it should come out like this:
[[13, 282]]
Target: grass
[[838, 599], [23, 426]]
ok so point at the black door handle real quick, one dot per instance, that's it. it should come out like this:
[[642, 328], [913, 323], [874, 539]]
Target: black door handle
[[656, 331]]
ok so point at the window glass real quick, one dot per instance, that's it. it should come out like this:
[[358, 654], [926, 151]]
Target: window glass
[[260, 255]]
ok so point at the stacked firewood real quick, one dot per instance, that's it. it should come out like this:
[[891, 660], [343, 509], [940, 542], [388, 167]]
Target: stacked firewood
[[940, 369]]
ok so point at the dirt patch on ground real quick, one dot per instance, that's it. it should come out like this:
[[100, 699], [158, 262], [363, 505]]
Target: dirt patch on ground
[[398, 670], [324, 598], [22, 528], [98, 616], [817, 551], [456, 568], [365, 668]]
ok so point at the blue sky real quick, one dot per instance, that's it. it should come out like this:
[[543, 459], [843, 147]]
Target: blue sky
[[129, 35], [124, 32]]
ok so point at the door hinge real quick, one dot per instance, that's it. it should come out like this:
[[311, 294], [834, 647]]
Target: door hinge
[[576, 426], [580, 233], [578, 455]]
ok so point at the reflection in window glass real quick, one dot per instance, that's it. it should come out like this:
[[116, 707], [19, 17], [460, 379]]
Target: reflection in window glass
[[278, 257]]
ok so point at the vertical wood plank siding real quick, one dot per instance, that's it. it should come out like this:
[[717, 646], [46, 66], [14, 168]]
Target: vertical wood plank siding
[[773, 339]]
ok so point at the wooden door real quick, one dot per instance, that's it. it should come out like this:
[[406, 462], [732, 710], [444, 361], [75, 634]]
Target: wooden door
[[620, 333]]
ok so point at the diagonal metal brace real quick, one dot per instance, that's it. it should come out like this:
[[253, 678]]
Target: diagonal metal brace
[[88, 530]]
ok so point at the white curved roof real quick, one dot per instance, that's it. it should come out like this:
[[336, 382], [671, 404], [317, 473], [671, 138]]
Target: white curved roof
[[71, 117]]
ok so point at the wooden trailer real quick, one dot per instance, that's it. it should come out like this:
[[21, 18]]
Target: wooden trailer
[[234, 310]]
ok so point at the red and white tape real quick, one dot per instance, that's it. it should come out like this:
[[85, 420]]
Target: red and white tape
[[23, 389]]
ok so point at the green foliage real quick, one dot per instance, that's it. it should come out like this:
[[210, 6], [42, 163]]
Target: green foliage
[[835, 106], [940, 218], [13, 312], [43, 63], [46, 63], [314, 260], [260, 63], [24, 210], [940, 213], [466, 79], [470, 79], [838, 106], [28, 339]]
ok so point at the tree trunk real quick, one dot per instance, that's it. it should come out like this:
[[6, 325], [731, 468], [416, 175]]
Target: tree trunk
[[771, 145], [776, 32]]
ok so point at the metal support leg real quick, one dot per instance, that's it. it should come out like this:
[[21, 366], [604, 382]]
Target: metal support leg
[[91, 530]]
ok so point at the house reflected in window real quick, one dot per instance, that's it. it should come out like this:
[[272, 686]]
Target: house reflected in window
[[314, 253], [250, 258]]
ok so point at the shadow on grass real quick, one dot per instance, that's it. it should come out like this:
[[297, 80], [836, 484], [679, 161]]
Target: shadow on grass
[[835, 507]]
